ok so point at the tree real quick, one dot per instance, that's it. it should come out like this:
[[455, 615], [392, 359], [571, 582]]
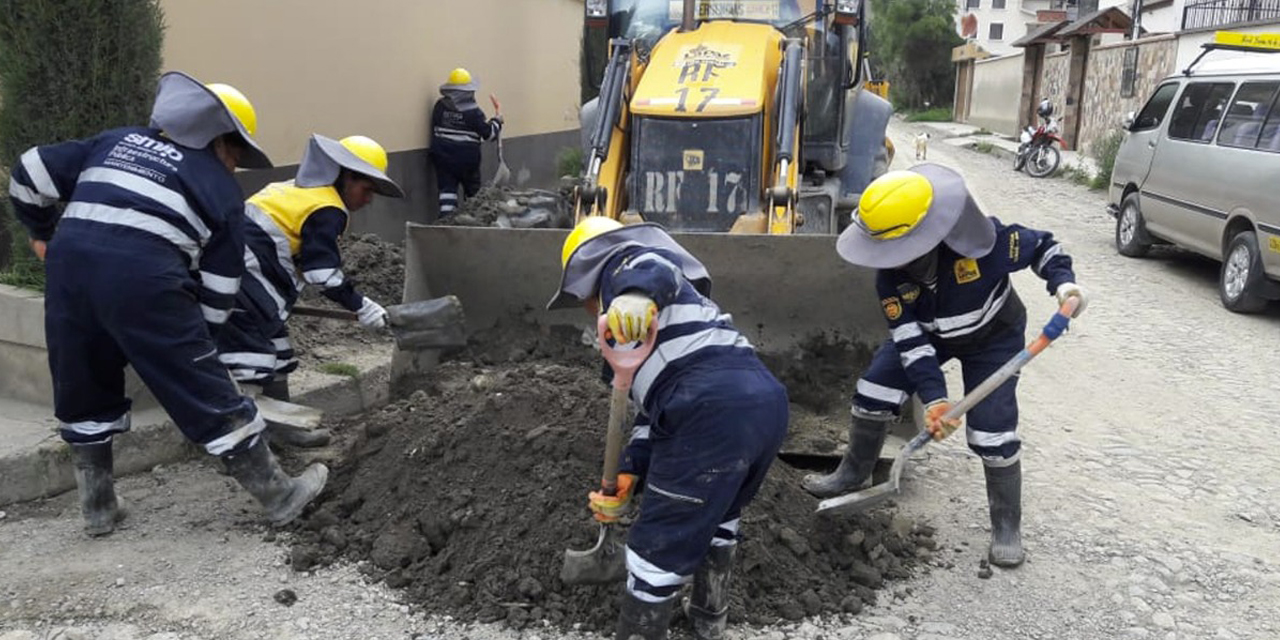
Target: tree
[[69, 69], [911, 40]]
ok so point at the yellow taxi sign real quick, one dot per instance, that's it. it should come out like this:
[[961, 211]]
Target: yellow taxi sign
[[1254, 41]]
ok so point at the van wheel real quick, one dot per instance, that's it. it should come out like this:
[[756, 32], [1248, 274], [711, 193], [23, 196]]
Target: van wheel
[[1131, 232], [1241, 275]]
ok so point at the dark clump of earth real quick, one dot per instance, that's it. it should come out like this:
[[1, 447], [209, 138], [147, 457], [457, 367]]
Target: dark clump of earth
[[466, 493]]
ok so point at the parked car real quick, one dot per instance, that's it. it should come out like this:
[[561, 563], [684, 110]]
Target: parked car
[[1200, 168]]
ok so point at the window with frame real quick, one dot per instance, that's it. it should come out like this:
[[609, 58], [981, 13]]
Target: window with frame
[[997, 4], [1129, 73], [1244, 120], [996, 31], [1154, 112], [972, 4], [1199, 111]]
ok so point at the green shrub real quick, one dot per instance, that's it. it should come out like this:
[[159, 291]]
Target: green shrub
[[1078, 175], [1104, 153], [69, 69], [569, 162], [984, 147]]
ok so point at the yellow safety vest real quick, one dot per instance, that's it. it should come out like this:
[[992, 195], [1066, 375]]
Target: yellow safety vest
[[289, 206]]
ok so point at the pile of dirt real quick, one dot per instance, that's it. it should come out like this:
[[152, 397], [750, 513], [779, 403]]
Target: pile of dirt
[[376, 268], [513, 209], [467, 493]]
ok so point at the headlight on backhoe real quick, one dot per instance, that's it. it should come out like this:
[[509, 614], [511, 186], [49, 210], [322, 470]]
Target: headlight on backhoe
[[847, 11], [597, 9]]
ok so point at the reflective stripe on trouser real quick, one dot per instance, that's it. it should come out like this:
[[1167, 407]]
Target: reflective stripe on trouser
[[254, 345], [991, 426], [112, 299], [719, 431], [450, 179]]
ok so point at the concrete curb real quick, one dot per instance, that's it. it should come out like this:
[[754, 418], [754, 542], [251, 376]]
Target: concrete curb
[[46, 469]]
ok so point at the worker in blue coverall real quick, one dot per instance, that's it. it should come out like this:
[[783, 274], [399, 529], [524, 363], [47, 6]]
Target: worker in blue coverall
[[458, 126], [143, 269], [943, 278], [718, 420], [292, 236]]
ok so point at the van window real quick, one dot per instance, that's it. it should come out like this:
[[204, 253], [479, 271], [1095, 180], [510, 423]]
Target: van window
[[1199, 110], [1270, 138], [1156, 108], [1247, 113]]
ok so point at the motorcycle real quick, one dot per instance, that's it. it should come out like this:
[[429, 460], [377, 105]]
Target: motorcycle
[[1037, 152]]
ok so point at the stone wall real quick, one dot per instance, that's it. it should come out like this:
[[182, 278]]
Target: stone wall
[[1053, 81], [1103, 107]]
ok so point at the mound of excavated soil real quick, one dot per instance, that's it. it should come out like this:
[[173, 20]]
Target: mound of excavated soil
[[467, 493]]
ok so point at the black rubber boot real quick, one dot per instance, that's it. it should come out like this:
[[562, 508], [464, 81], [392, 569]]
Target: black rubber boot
[[1004, 497], [96, 485], [866, 439], [640, 620], [708, 606], [283, 497]]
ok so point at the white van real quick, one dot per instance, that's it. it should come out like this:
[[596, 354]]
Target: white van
[[1200, 168]]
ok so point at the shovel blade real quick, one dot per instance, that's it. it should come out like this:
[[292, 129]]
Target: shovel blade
[[288, 413], [429, 324], [604, 563], [858, 500]]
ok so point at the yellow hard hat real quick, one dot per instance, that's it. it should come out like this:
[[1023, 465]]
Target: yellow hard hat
[[366, 149], [590, 227], [459, 76], [238, 105], [893, 204]]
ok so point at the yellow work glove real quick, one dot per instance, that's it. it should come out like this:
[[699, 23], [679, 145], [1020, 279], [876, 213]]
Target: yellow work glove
[[610, 508], [630, 315], [933, 421]]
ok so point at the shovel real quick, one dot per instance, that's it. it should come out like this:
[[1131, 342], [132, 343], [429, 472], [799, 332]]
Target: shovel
[[859, 500], [427, 324], [503, 176], [605, 562]]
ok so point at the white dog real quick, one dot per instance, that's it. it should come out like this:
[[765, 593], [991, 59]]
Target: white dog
[[922, 146]]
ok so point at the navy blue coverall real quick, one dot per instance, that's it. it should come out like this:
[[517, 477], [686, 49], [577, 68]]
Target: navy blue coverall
[[970, 312], [715, 421], [143, 269], [455, 149]]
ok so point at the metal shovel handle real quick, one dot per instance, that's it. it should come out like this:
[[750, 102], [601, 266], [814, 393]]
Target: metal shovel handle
[[625, 363]]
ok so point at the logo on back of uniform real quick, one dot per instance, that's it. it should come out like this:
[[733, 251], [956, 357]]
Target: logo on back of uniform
[[909, 292], [892, 308], [157, 147], [1013, 247], [967, 270]]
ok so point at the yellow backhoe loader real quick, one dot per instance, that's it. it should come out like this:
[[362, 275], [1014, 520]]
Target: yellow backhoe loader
[[744, 128]]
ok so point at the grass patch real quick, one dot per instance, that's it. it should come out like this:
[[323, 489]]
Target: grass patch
[[23, 279], [983, 132], [984, 147], [936, 114], [1078, 176], [340, 369]]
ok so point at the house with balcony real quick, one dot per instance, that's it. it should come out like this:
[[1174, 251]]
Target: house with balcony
[[994, 25]]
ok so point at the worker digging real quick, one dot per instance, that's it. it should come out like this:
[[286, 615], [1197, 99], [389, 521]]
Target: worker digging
[[943, 278], [712, 419], [143, 270], [292, 236], [458, 127]]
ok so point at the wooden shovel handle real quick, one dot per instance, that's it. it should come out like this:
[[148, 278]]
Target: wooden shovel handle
[[320, 312], [624, 363]]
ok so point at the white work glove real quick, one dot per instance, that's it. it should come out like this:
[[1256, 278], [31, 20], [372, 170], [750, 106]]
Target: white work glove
[[1069, 289], [630, 315], [372, 315]]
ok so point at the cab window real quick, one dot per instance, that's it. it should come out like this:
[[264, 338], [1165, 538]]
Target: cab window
[[1156, 108]]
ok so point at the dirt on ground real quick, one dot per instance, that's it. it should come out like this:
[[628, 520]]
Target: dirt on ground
[[514, 209], [466, 494]]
